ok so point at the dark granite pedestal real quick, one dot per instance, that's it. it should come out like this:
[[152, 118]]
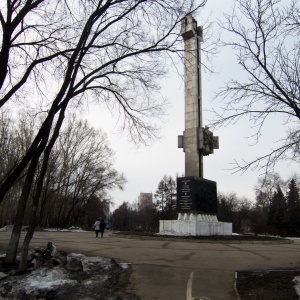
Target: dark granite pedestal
[[196, 195]]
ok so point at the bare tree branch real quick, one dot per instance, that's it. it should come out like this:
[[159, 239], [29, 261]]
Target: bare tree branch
[[268, 52]]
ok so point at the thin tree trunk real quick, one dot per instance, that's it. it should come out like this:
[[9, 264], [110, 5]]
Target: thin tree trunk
[[40, 181], [12, 248]]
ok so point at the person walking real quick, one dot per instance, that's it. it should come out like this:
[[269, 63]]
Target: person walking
[[97, 227], [102, 226]]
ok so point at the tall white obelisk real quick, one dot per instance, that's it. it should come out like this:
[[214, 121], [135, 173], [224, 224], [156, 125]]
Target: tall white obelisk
[[196, 140], [196, 196]]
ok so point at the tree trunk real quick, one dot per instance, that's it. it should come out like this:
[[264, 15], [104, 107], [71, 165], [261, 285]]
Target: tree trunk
[[38, 192], [12, 248], [25, 247]]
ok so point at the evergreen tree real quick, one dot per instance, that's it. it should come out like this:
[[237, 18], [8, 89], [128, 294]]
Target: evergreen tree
[[262, 207], [160, 196], [277, 212], [171, 194], [293, 209], [165, 196], [121, 217]]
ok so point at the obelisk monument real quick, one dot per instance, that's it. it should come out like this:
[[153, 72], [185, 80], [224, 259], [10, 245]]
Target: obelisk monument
[[192, 36], [196, 196]]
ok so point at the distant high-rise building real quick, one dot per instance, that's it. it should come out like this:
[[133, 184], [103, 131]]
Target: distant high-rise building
[[145, 200]]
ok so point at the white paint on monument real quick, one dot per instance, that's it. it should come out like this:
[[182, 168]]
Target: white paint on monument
[[196, 141]]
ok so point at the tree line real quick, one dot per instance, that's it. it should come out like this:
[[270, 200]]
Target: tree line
[[275, 210], [145, 215], [79, 176]]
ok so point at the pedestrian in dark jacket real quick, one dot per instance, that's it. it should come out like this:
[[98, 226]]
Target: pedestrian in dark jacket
[[102, 226]]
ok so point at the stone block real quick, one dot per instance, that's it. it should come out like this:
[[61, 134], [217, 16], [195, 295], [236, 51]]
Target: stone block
[[182, 227], [198, 195]]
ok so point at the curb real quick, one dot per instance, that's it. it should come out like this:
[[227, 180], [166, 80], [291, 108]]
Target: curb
[[178, 239], [235, 286]]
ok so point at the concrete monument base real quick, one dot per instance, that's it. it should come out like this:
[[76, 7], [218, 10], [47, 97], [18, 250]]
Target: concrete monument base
[[191, 224]]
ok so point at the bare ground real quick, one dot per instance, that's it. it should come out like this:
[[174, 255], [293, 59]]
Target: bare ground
[[267, 285]]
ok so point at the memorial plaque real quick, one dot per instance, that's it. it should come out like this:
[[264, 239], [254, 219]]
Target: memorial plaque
[[185, 194], [196, 195]]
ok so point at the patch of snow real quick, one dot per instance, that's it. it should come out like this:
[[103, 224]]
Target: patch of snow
[[44, 279], [296, 281], [10, 228], [7, 228], [71, 229], [124, 265], [53, 252], [77, 255], [170, 233], [91, 263], [3, 275]]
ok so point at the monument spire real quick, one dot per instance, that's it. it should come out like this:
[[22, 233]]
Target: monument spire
[[195, 141], [197, 201]]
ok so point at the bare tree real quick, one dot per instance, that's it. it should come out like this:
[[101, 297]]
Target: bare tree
[[84, 171], [62, 53], [235, 210], [266, 44], [9, 153], [15, 137], [267, 185]]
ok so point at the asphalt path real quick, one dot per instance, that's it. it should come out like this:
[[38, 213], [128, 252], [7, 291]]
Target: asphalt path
[[178, 270]]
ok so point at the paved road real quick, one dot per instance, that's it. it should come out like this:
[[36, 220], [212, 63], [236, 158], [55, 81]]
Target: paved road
[[166, 270]]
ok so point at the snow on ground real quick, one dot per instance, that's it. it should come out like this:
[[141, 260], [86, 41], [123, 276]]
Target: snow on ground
[[296, 281], [71, 229], [66, 276], [47, 279]]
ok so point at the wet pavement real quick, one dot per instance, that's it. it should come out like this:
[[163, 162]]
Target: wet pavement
[[175, 269]]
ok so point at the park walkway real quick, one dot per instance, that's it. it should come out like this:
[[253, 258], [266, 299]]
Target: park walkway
[[176, 270]]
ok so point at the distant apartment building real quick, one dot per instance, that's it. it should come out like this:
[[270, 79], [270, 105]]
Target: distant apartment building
[[145, 200]]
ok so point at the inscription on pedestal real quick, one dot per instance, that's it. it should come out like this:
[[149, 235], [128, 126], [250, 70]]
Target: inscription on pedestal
[[196, 194], [186, 201]]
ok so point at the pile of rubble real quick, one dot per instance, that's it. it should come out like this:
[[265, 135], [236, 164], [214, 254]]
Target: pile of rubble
[[55, 274]]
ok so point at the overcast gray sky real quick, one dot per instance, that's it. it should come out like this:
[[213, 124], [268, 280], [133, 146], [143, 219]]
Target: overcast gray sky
[[145, 166]]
